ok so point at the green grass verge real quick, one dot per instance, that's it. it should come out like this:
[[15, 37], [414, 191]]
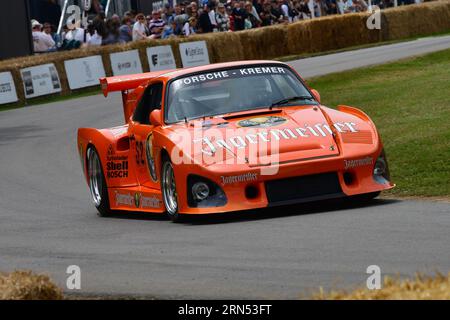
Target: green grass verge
[[409, 101]]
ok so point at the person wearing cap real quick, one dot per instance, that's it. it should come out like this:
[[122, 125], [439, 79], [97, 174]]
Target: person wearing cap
[[42, 42]]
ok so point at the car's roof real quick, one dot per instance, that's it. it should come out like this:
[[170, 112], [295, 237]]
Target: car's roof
[[215, 66]]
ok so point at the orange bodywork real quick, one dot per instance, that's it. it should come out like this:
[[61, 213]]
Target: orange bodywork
[[336, 146]]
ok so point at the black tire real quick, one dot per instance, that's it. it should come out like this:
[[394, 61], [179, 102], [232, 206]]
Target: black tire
[[97, 183], [168, 190]]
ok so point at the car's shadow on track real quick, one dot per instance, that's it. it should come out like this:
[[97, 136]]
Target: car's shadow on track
[[265, 213]]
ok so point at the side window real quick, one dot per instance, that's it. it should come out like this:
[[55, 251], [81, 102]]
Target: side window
[[150, 100]]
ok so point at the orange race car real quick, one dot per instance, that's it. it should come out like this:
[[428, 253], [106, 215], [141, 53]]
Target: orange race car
[[228, 137]]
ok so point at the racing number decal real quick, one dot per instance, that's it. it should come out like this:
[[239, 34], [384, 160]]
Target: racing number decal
[[150, 157], [140, 153], [145, 152]]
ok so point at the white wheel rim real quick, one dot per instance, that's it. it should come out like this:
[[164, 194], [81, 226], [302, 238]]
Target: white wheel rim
[[95, 177], [169, 189]]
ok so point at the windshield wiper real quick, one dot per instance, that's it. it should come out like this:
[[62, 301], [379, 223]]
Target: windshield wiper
[[287, 100]]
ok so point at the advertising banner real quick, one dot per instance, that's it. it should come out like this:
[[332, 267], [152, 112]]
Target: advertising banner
[[84, 72], [126, 62], [161, 58], [40, 80], [194, 54], [8, 92]]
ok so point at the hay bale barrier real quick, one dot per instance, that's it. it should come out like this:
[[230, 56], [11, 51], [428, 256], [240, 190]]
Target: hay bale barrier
[[417, 20], [419, 288], [264, 43], [310, 36], [25, 285]]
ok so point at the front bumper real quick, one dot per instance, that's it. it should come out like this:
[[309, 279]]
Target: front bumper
[[301, 181]]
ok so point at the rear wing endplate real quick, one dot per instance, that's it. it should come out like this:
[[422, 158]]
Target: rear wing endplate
[[126, 83]]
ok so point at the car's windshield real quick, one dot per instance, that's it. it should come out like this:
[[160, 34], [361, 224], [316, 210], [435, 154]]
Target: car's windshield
[[233, 90]]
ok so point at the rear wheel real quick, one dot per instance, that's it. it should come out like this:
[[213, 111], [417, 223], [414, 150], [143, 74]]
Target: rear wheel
[[169, 191], [97, 183]]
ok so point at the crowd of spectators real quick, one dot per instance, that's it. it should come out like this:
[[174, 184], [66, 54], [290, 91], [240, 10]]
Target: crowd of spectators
[[188, 18]]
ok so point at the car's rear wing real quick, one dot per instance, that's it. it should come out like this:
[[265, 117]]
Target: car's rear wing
[[126, 83]]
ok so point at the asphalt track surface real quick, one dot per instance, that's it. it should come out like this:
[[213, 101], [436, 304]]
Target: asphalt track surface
[[47, 221]]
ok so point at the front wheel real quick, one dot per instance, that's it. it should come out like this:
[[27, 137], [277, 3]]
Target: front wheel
[[169, 191], [97, 183]]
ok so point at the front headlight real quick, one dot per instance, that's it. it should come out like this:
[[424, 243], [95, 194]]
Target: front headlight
[[381, 169], [203, 193]]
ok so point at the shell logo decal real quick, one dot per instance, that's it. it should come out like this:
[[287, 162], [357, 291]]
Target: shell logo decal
[[262, 122]]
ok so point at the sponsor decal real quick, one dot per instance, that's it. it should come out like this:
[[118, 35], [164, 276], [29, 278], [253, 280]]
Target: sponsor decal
[[125, 199], [127, 65], [116, 165], [150, 157], [247, 177], [150, 202], [117, 169], [262, 70], [205, 77], [197, 51], [262, 122], [233, 73], [118, 131], [210, 146], [349, 164], [137, 199]]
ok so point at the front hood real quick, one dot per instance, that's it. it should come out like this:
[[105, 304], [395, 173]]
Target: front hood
[[261, 138]]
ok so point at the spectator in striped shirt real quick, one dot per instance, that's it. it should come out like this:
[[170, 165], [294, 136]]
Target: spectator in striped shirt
[[156, 25]]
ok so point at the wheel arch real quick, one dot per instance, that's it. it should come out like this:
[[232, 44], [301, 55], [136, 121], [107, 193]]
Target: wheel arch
[[90, 137]]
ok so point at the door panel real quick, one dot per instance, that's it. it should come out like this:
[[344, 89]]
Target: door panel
[[141, 135]]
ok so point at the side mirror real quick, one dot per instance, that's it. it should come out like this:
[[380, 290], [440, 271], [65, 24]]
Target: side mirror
[[316, 94], [155, 117]]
